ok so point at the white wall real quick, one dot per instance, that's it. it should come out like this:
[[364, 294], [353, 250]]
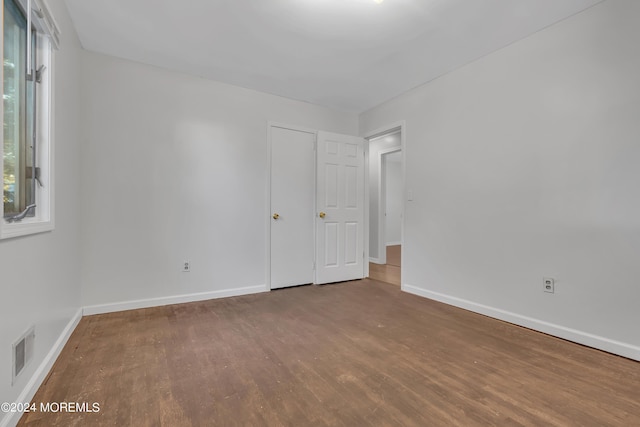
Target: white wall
[[174, 169], [394, 198], [40, 276], [377, 145], [524, 164]]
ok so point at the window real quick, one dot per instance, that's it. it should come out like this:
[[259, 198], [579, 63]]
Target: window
[[26, 112]]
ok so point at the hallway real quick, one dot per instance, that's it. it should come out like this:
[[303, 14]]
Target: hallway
[[389, 272]]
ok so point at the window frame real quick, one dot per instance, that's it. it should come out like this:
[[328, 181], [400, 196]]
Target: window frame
[[43, 219]]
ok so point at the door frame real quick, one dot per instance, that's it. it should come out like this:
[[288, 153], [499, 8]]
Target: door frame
[[400, 126], [270, 125]]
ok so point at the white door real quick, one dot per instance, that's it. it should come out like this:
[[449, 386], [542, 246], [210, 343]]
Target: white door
[[292, 207], [340, 208]]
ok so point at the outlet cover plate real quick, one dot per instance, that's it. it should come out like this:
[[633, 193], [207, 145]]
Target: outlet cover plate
[[549, 285]]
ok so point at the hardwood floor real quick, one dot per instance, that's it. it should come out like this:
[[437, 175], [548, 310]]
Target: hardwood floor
[[389, 272], [351, 354], [393, 255], [385, 273]]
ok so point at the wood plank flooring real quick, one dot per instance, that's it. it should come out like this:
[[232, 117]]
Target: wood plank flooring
[[352, 354], [393, 255], [389, 272], [385, 273]]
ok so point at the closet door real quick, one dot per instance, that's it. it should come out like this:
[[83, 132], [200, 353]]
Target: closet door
[[340, 208], [292, 207]]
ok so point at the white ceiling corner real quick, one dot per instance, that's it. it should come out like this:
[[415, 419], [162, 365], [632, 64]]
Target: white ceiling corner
[[349, 55]]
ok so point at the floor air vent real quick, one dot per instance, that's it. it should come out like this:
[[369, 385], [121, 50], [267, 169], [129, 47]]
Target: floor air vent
[[22, 352]]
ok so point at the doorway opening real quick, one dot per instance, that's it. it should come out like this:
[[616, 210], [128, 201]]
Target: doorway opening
[[386, 206]]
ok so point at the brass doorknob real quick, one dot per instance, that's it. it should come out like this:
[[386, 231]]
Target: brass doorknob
[[276, 216], [322, 214]]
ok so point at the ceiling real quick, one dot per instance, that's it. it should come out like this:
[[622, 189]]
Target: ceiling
[[350, 55]]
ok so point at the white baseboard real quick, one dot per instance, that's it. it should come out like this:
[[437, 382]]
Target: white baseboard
[[375, 260], [12, 418], [616, 347], [176, 299]]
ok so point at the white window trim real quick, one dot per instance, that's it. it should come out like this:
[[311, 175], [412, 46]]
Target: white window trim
[[43, 221]]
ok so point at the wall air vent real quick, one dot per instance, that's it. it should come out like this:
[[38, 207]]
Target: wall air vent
[[22, 353]]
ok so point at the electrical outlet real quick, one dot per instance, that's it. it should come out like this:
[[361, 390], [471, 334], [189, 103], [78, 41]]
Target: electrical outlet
[[548, 284], [186, 267]]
